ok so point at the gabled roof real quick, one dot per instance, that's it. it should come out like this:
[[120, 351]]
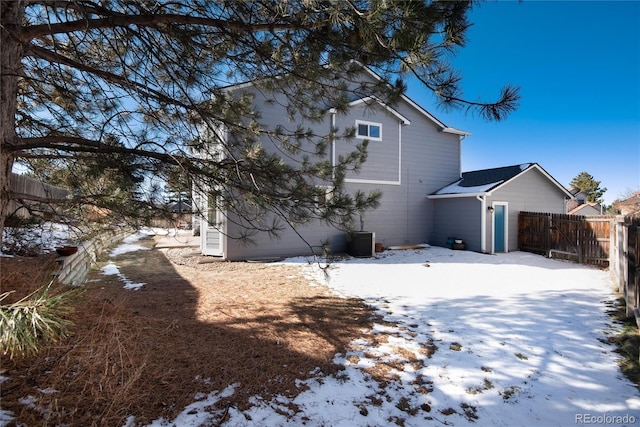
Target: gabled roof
[[443, 128], [588, 205], [369, 99], [483, 182]]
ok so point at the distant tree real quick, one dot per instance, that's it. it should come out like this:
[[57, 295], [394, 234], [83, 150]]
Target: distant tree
[[105, 188], [76, 74], [179, 187], [588, 185]]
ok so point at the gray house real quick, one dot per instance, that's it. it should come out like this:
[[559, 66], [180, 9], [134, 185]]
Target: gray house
[[580, 206], [482, 207], [410, 154], [587, 209]]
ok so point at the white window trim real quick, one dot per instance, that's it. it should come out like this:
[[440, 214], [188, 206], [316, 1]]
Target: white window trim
[[370, 138]]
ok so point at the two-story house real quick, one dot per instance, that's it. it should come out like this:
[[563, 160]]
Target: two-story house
[[414, 160], [410, 154]]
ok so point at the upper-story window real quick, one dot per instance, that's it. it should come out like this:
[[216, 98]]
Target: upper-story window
[[369, 130]]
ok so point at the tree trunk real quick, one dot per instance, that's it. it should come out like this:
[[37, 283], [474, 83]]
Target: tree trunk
[[10, 71]]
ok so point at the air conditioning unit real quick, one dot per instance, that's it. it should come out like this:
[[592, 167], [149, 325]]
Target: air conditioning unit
[[361, 244]]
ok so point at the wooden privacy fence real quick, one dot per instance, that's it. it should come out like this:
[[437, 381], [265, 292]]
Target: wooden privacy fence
[[612, 241], [625, 262], [586, 240], [25, 191]]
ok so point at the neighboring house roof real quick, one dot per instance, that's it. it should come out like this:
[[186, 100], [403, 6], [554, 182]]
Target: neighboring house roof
[[630, 205], [483, 182], [180, 207], [443, 128], [588, 208]]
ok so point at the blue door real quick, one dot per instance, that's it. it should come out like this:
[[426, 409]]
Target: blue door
[[499, 221]]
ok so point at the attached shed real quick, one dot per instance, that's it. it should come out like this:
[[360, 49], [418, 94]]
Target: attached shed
[[482, 207]]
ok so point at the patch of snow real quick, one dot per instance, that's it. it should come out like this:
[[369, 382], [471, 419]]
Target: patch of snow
[[132, 286], [155, 231], [45, 237], [5, 417], [29, 401], [111, 269], [129, 245], [524, 166], [198, 413]]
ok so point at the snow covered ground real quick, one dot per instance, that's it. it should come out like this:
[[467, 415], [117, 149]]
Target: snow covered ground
[[43, 238], [465, 339], [471, 339]]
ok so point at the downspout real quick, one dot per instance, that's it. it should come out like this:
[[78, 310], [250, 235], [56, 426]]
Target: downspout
[[483, 223], [333, 145]]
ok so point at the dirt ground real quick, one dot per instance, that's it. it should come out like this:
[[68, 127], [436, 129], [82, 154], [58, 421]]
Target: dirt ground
[[194, 327]]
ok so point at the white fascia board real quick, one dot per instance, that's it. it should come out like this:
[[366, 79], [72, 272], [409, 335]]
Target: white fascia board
[[456, 131], [442, 126], [371, 181], [458, 195], [552, 179]]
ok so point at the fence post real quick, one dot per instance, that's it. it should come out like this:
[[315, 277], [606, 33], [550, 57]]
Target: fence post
[[549, 235], [613, 245], [632, 267]]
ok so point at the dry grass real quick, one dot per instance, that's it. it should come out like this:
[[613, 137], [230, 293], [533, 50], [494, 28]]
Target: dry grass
[[193, 328]]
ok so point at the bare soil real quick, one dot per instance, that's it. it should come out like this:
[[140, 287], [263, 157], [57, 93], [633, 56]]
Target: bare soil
[[194, 327]]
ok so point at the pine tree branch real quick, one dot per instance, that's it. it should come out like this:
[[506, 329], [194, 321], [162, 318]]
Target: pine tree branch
[[139, 88], [150, 20]]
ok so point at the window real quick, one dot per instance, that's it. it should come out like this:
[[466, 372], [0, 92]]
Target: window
[[369, 130], [212, 211]]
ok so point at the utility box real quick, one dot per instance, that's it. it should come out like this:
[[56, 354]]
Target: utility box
[[361, 244]]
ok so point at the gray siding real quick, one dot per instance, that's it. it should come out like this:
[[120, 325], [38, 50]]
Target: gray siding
[[458, 218], [287, 243], [383, 157], [409, 163], [430, 160], [461, 216], [530, 191]]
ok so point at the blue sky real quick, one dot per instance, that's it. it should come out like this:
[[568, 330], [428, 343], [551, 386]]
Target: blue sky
[[578, 66]]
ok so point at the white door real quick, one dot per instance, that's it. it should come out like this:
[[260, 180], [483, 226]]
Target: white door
[[211, 229]]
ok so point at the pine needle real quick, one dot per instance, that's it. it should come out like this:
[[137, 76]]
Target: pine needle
[[35, 320]]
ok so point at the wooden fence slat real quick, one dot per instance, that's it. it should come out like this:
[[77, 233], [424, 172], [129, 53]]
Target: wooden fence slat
[[24, 187]]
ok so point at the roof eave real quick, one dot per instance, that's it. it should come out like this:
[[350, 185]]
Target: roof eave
[[457, 195], [456, 131]]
